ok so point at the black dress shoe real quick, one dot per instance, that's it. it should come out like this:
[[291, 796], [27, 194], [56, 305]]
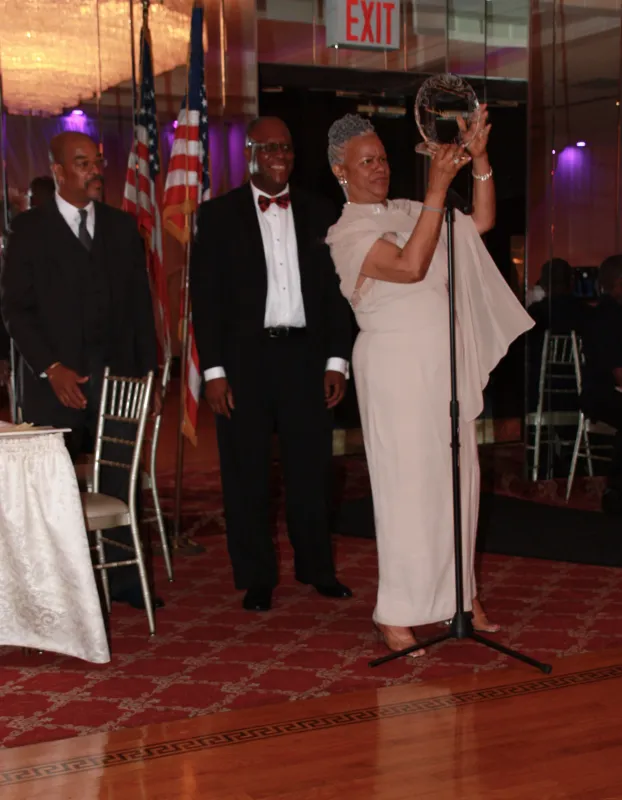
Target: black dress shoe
[[258, 600], [135, 599], [335, 589]]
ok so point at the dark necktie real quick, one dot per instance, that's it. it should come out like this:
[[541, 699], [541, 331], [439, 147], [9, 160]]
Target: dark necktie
[[83, 234], [264, 203]]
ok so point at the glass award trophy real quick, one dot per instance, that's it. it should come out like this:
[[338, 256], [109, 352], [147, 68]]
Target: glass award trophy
[[441, 101]]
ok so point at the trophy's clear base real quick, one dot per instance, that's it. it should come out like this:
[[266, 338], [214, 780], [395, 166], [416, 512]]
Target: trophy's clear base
[[425, 149]]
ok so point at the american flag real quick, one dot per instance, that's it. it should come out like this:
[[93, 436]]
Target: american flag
[[187, 185], [144, 162]]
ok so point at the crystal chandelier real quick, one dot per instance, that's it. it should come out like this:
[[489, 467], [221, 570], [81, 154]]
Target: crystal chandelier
[[52, 52]]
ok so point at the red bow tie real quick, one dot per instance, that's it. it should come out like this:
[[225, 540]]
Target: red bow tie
[[264, 202]]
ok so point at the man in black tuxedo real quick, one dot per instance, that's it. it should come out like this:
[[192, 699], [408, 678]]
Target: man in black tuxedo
[[75, 298], [274, 339]]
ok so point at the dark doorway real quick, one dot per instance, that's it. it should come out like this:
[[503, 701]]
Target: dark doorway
[[310, 113]]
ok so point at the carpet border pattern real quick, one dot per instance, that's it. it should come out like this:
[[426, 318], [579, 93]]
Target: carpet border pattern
[[212, 741]]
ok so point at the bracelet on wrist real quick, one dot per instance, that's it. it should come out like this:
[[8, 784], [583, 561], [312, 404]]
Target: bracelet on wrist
[[485, 177], [432, 208]]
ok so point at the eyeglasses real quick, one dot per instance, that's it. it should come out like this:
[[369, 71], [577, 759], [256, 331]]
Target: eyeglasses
[[272, 148], [84, 165]]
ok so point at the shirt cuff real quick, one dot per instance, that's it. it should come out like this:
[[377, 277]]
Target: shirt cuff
[[213, 373], [338, 365]]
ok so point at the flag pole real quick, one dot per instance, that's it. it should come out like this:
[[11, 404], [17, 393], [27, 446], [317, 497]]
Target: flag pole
[[183, 544], [185, 288], [135, 106], [133, 57]]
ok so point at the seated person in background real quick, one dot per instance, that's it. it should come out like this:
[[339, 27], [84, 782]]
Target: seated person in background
[[41, 191], [542, 288], [602, 374], [558, 311]]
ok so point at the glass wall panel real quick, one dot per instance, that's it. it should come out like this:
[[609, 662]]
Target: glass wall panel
[[574, 133], [574, 168]]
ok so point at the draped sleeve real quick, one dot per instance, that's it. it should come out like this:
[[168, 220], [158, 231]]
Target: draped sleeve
[[349, 245], [357, 231], [490, 315]]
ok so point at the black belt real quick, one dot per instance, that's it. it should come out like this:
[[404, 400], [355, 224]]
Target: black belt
[[284, 333]]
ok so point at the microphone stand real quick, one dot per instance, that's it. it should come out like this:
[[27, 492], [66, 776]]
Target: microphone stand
[[461, 626]]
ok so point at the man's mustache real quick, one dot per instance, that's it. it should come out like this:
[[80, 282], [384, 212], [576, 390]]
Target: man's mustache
[[95, 179]]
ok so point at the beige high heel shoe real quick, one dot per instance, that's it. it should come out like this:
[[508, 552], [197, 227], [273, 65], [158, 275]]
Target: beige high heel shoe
[[480, 620], [396, 639]]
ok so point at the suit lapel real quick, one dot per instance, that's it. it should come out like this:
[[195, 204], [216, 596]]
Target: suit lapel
[[99, 240], [301, 222], [64, 243], [252, 239], [303, 236]]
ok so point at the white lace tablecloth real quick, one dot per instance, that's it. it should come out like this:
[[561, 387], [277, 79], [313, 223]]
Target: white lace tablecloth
[[48, 596]]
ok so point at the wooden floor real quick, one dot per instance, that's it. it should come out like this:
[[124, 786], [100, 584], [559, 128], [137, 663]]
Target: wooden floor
[[501, 735]]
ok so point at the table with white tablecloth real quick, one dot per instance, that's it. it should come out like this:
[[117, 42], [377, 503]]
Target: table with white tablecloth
[[48, 595]]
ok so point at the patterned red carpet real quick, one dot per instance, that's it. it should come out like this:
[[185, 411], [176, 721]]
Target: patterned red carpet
[[209, 655]]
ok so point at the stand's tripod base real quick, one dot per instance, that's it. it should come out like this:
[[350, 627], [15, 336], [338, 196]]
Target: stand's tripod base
[[185, 546], [462, 628]]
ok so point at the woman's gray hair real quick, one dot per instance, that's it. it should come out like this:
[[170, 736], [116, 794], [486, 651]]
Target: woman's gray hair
[[342, 131]]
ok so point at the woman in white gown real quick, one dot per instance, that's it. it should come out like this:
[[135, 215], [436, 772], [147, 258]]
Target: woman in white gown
[[391, 258]]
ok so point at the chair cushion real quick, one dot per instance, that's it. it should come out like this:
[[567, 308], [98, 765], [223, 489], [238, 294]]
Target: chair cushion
[[561, 418], [84, 473], [601, 428], [102, 511]]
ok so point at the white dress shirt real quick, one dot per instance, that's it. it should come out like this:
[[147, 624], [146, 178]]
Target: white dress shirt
[[71, 215], [284, 303]]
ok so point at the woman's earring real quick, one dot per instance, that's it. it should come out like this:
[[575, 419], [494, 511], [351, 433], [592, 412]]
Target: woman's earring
[[344, 185]]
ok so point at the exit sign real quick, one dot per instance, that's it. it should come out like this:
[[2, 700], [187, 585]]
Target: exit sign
[[363, 24]]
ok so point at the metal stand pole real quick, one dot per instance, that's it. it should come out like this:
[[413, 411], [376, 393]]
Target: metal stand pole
[[185, 286], [133, 57], [461, 626]]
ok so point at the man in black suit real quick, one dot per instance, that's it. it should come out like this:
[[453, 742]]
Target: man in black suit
[[274, 339], [41, 191], [75, 298], [5, 356]]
